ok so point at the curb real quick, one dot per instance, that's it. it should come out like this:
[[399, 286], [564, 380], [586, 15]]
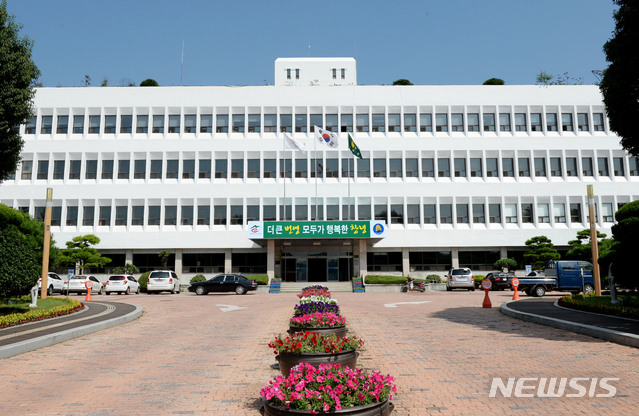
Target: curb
[[611, 335], [55, 338]]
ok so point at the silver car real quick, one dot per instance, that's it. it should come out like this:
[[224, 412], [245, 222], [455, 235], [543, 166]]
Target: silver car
[[461, 278], [163, 280]]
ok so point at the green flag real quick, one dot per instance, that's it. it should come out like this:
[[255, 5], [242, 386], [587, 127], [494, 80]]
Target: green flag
[[353, 147]]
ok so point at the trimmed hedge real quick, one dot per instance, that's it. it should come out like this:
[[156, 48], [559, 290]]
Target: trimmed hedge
[[372, 279], [601, 304], [261, 279], [65, 308], [198, 278], [143, 280]]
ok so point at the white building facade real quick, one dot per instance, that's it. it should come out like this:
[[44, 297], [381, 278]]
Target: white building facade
[[456, 175]]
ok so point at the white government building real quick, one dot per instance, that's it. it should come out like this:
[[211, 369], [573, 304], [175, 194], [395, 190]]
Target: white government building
[[450, 175]]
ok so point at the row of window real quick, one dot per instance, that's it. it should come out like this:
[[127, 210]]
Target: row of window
[[395, 213], [441, 167], [302, 123]]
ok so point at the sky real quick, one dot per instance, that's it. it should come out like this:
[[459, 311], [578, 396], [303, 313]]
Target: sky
[[236, 42]]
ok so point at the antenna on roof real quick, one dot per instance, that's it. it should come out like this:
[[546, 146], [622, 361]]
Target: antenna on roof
[[309, 49], [598, 73]]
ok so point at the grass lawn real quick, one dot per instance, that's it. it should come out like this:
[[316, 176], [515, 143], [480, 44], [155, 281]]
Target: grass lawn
[[16, 311], [601, 304]]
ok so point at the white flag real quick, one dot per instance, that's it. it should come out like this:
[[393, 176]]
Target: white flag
[[327, 137], [291, 143]]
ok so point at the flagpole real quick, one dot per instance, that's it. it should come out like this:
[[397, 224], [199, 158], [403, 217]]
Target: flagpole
[[284, 153], [315, 167]]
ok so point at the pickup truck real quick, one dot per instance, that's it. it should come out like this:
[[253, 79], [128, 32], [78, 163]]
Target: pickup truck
[[560, 275]]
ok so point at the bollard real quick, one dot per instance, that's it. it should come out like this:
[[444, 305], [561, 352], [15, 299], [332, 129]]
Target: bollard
[[486, 284], [515, 283], [88, 284]]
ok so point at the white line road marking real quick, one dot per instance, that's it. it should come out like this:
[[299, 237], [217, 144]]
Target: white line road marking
[[229, 308], [394, 305]]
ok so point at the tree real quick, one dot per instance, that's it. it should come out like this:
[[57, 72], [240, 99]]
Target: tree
[[508, 264], [164, 258], [149, 83], [127, 269], [81, 254], [582, 248], [626, 245], [544, 78], [494, 81], [540, 251], [18, 74], [402, 81], [620, 83]]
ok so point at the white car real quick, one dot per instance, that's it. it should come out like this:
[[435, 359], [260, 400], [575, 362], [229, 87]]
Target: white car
[[54, 284], [77, 285], [460, 278], [163, 280], [121, 283]]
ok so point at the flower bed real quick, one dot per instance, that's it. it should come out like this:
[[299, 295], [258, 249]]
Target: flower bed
[[301, 342], [316, 290], [600, 304], [310, 299], [39, 314], [313, 307], [318, 320]]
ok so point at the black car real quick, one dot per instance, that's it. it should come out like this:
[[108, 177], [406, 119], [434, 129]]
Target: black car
[[500, 280], [224, 283]]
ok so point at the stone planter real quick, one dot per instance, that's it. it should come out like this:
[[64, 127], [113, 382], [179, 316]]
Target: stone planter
[[288, 360], [374, 409], [340, 331]]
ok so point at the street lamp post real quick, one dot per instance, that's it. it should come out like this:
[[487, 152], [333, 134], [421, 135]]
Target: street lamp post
[[594, 244], [45, 248]]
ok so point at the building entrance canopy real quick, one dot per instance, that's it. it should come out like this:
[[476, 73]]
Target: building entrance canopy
[[316, 229]]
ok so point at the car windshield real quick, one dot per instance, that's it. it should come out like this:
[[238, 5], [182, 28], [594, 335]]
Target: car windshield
[[116, 278], [161, 275]]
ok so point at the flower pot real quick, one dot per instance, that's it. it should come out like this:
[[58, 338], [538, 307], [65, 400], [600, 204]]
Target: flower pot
[[374, 409], [288, 360], [340, 331]]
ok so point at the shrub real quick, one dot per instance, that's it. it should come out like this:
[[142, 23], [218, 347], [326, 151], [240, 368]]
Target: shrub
[[434, 278], [198, 278], [509, 264], [19, 268], [261, 279], [143, 280], [385, 280]]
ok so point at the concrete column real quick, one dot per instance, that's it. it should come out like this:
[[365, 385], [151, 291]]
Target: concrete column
[[362, 257], [178, 263], [270, 259], [128, 257], [405, 262], [503, 253], [454, 254], [228, 263]]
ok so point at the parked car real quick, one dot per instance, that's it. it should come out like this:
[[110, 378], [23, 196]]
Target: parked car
[[461, 278], [224, 283], [54, 283], [500, 280], [121, 283], [77, 285], [163, 280]]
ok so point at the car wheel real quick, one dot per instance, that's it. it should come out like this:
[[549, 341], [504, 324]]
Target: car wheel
[[108, 293], [128, 290], [588, 288], [50, 291], [101, 291], [448, 288], [137, 292], [539, 291], [200, 290], [240, 290], [472, 289]]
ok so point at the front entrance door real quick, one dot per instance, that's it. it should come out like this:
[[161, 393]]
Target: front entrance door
[[333, 271], [316, 269], [302, 269]]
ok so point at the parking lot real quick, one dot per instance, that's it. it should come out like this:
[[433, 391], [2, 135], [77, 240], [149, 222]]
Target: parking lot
[[208, 355]]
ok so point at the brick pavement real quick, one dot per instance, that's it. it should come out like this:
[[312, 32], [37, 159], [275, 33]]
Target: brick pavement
[[184, 355]]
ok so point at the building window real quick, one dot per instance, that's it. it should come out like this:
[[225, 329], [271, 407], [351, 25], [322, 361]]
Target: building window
[[94, 124], [252, 213], [332, 168], [381, 213], [428, 168], [316, 120], [566, 122], [121, 215], [105, 216], [460, 167], [473, 121], [586, 166], [394, 122], [137, 215], [332, 122], [363, 212], [479, 215], [156, 169], [520, 121], [527, 213], [446, 214], [489, 122], [555, 166], [462, 213], [204, 169], [571, 166], [507, 167], [430, 214], [190, 123], [222, 123], [221, 168], [124, 166], [109, 124], [253, 168], [617, 166], [237, 215], [27, 167], [288, 73], [47, 125], [363, 168], [510, 213], [379, 168], [62, 126], [238, 123], [142, 124], [494, 213], [348, 168], [270, 123], [107, 169], [575, 212], [412, 214], [412, 171], [456, 122], [39, 213], [543, 216], [43, 169], [491, 167], [334, 71], [598, 121], [602, 164], [91, 169], [379, 124], [286, 123], [72, 216], [203, 215], [551, 121], [504, 122], [397, 214], [343, 73], [410, 122], [301, 212], [206, 123], [186, 217], [237, 168], [188, 169], [347, 123], [395, 168], [300, 123], [286, 168], [268, 213], [443, 167], [254, 125], [88, 213], [540, 166], [425, 122], [441, 122], [606, 212], [126, 124], [74, 169], [559, 213], [170, 215], [158, 123], [582, 121], [535, 122], [58, 169], [297, 73], [30, 127], [154, 215], [269, 168], [172, 168], [139, 169]]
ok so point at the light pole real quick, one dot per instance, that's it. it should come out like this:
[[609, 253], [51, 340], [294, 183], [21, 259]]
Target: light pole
[[45, 249], [594, 244]]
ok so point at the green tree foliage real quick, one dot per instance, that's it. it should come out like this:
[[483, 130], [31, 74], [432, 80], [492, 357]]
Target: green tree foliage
[[18, 74], [494, 81], [540, 250], [19, 268], [626, 245], [402, 81], [127, 269], [509, 264], [149, 83], [582, 249], [143, 281], [620, 83], [81, 254], [164, 258], [198, 278], [32, 230], [544, 78]]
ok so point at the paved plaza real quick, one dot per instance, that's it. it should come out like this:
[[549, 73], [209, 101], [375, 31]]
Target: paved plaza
[[208, 355]]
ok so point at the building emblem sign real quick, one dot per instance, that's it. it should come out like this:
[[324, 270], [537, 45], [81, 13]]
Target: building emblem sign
[[316, 229]]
